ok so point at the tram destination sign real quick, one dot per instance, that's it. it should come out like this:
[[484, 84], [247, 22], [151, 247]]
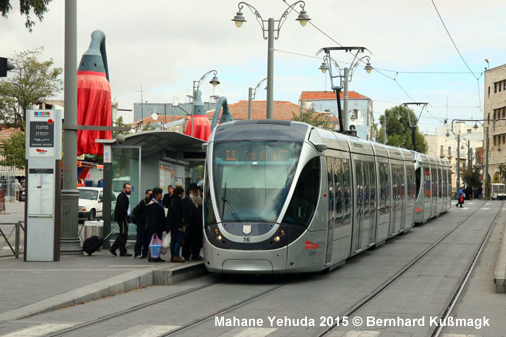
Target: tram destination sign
[[41, 134]]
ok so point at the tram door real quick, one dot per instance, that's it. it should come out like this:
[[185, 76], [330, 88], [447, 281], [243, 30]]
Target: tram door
[[397, 198], [331, 211], [410, 196], [340, 236], [362, 230], [383, 200]]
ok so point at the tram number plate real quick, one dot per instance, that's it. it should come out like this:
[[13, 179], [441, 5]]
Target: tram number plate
[[245, 239]]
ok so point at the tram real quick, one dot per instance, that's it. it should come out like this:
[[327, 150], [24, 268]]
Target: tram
[[286, 197]]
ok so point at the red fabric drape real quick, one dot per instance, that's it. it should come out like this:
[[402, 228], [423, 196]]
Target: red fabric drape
[[201, 127], [93, 108]]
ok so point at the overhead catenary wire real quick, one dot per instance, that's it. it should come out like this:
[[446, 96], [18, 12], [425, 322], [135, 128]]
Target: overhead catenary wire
[[409, 72]]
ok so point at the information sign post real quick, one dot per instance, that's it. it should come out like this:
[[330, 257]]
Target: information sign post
[[42, 211]]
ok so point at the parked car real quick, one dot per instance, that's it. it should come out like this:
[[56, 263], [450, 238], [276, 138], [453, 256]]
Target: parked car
[[90, 202]]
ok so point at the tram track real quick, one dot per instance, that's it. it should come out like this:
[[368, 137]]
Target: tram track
[[463, 283], [372, 295], [185, 327], [168, 298], [133, 309]]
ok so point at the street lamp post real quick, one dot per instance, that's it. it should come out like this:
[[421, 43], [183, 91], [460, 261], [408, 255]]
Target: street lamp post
[[251, 96], [196, 86], [239, 19], [345, 75]]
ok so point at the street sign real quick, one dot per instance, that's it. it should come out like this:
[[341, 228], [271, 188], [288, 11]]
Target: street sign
[[43, 154]]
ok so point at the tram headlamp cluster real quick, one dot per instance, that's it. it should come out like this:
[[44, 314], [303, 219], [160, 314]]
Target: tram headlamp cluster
[[277, 238], [219, 237], [282, 232]]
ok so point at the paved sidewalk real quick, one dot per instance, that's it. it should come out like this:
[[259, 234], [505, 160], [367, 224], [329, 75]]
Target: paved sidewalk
[[34, 287], [28, 288]]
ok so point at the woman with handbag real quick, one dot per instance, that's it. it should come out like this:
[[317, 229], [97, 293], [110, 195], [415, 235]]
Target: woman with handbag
[[155, 221]]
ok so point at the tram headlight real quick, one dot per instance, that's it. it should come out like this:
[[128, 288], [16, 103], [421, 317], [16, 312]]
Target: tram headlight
[[277, 238], [282, 232], [219, 237], [216, 231]]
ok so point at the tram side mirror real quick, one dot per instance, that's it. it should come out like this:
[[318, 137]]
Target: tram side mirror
[[321, 147], [204, 146]]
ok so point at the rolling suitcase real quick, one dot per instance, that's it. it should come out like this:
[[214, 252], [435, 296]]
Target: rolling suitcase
[[93, 243]]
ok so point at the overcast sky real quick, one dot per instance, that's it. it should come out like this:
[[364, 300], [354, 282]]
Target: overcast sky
[[166, 45]]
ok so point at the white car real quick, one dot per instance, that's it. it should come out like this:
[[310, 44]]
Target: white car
[[90, 202]]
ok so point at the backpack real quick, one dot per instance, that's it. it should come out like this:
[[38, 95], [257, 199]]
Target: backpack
[[138, 214]]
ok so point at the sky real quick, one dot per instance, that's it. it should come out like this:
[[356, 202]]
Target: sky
[[165, 45]]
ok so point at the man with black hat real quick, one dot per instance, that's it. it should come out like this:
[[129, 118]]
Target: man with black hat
[[192, 217]]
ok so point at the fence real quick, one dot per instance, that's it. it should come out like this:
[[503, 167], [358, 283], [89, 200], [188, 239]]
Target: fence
[[7, 231]]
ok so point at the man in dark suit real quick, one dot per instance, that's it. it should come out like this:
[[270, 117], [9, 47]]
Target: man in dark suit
[[122, 217]]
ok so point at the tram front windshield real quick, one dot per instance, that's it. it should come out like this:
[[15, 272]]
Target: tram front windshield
[[252, 178]]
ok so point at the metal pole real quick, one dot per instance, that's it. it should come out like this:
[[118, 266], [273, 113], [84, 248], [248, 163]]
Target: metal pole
[[469, 155], [250, 94], [413, 137], [345, 99], [69, 195], [384, 129], [16, 244], [193, 107], [458, 164], [486, 164], [270, 69]]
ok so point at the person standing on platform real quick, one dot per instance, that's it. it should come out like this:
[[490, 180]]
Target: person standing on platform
[[122, 217], [192, 215], [460, 198], [155, 218], [175, 219], [167, 197], [139, 215]]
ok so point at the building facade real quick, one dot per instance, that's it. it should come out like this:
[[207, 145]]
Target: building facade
[[360, 107], [495, 117], [459, 146]]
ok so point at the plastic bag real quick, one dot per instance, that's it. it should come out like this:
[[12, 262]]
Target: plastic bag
[[166, 241], [155, 247]]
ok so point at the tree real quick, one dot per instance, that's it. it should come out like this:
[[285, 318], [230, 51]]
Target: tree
[[39, 8], [399, 130], [119, 123], [13, 152], [32, 81], [314, 118], [471, 177], [502, 172]]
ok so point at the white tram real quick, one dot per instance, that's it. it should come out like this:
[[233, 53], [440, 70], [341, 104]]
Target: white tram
[[286, 197]]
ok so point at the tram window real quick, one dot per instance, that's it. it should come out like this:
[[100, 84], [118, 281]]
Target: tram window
[[338, 186], [372, 184], [418, 175], [331, 189], [427, 182], [346, 187], [303, 204]]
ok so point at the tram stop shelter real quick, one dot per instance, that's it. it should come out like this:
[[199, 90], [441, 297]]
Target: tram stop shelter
[[147, 160]]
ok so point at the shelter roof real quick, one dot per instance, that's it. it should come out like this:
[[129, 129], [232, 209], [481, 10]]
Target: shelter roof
[[152, 142]]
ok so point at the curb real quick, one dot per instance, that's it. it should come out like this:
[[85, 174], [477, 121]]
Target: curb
[[109, 287], [500, 268]]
